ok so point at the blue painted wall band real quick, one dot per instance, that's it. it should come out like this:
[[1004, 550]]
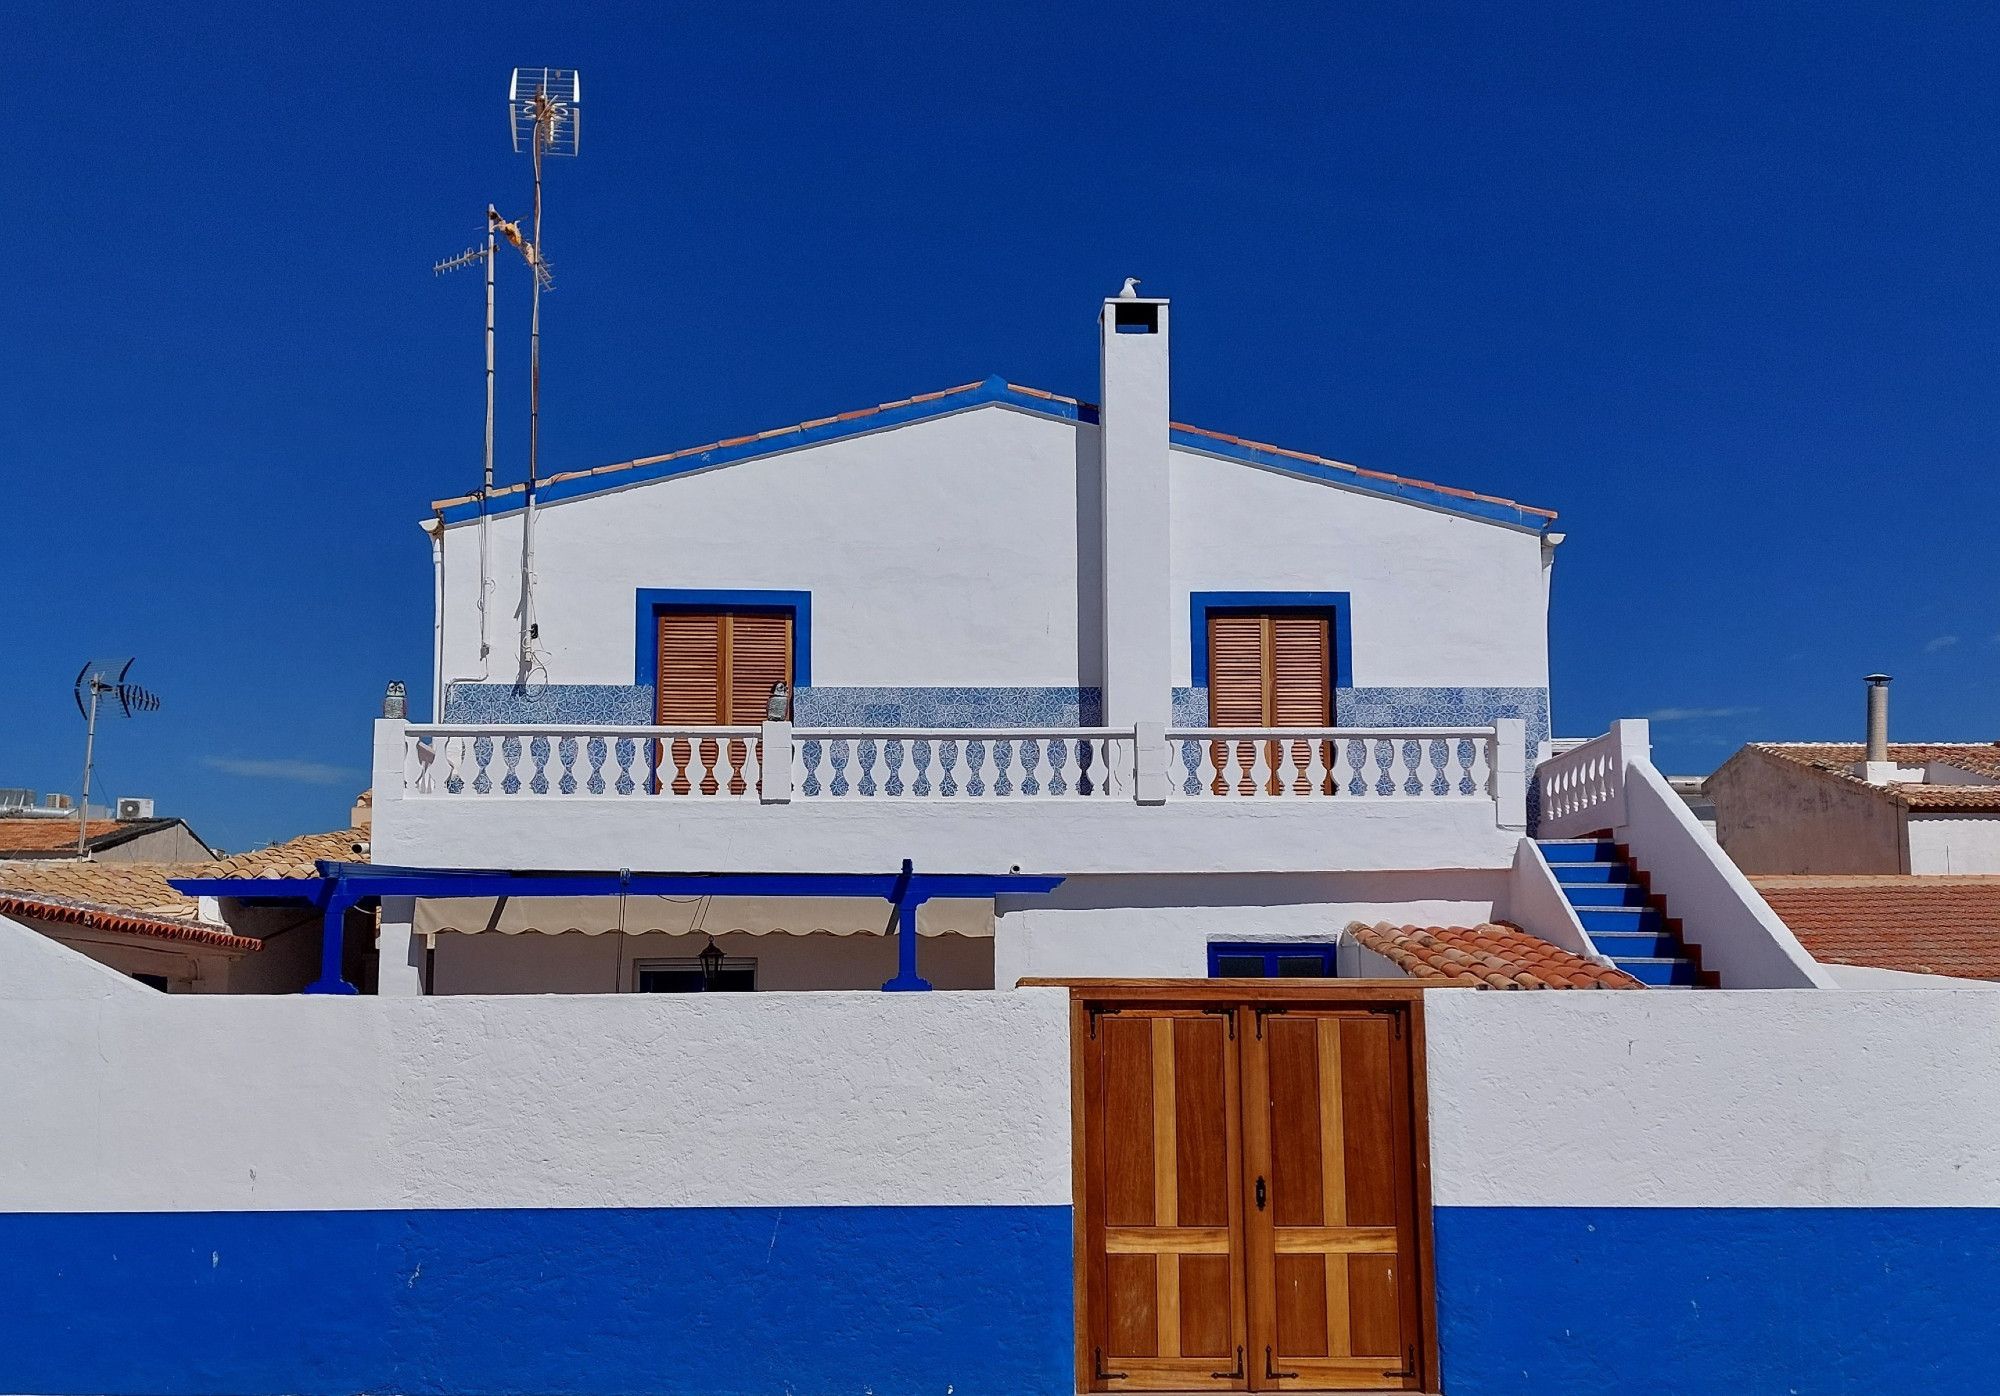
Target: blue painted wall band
[[727, 1301], [1749, 1301]]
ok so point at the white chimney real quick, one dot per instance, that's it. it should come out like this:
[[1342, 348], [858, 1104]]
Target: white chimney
[[1132, 450]]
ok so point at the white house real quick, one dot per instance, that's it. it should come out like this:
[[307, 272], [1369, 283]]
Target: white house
[[1229, 693]]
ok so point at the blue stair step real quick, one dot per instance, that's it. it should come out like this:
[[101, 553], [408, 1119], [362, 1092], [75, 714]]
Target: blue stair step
[[1569, 874], [1657, 971], [1577, 850], [1582, 894], [1619, 918], [1641, 945]]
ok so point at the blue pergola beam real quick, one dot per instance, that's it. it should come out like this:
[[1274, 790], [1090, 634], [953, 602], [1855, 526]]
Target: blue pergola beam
[[342, 886]]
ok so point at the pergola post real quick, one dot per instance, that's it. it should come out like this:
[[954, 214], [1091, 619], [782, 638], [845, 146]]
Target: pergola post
[[907, 899], [332, 941]]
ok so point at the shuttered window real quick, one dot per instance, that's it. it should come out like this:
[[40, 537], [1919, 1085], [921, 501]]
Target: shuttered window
[[718, 667], [1269, 669]]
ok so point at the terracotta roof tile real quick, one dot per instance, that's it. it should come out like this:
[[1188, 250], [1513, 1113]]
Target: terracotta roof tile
[[46, 908], [42, 837], [1494, 955], [292, 858], [1833, 760], [1920, 924], [130, 897]]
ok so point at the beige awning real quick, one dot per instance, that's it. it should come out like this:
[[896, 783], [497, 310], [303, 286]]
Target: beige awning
[[841, 916]]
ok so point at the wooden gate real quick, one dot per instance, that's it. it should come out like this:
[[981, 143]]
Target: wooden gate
[[1251, 1191]]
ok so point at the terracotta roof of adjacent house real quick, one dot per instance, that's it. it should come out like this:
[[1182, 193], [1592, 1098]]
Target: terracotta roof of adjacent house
[[46, 908], [1921, 924], [133, 898], [1835, 760], [56, 838], [292, 858], [986, 388], [1494, 955], [138, 899]]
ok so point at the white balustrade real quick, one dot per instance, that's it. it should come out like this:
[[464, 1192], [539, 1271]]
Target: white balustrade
[[959, 763], [561, 760], [928, 764], [1322, 763], [1582, 785]]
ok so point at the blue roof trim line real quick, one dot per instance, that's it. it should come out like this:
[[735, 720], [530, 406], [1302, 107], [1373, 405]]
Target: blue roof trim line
[[994, 391]]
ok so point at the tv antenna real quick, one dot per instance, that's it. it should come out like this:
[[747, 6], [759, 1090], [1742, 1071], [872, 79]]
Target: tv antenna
[[543, 113], [96, 681], [473, 256]]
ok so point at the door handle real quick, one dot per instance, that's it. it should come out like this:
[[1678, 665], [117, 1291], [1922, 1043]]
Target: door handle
[[1260, 1194]]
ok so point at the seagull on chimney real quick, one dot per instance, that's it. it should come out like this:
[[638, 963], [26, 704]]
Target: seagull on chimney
[[1131, 289]]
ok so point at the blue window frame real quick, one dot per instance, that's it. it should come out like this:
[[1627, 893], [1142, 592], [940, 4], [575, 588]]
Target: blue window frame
[[1332, 604], [1283, 959], [655, 600]]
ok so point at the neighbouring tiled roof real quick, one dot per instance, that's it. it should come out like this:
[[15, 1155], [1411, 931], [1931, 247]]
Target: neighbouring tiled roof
[[103, 918], [292, 858], [1921, 924], [569, 484], [56, 838], [1494, 955], [1835, 760]]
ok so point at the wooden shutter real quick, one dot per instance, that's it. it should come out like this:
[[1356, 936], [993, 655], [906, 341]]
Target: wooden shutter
[[1164, 1251], [1300, 684], [716, 668], [760, 655], [1236, 680], [1334, 1296], [690, 669]]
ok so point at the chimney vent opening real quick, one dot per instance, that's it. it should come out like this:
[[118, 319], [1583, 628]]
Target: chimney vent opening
[[1135, 319]]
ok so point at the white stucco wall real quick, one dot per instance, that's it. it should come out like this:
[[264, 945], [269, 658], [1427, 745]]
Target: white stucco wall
[[1954, 843], [122, 1099], [1438, 600], [1785, 1098], [940, 553], [966, 551]]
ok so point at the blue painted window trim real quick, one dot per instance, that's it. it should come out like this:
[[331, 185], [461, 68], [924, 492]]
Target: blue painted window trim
[[654, 601], [1272, 951], [1334, 604]]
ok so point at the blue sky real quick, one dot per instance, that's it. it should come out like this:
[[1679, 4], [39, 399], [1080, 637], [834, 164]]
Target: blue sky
[[1718, 284]]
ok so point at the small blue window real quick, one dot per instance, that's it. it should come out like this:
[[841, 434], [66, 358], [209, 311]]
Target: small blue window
[[1238, 959]]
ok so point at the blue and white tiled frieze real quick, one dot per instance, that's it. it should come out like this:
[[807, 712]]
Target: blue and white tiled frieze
[[816, 706], [1409, 707]]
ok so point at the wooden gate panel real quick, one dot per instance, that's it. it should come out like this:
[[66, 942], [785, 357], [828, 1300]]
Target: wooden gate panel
[[1164, 1227], [1333, 1299]]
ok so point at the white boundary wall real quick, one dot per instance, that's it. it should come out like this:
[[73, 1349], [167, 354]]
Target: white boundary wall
[[1758, 1098], [123, 1099]]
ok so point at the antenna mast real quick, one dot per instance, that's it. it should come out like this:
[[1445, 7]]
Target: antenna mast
[[467, 258], [95, 681], [542, 106]]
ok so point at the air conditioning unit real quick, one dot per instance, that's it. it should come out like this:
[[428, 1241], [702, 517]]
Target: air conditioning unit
[[133, 808]]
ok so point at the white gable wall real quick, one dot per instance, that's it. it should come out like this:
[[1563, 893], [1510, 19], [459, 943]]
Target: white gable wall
[[939, 553], [963, 552]]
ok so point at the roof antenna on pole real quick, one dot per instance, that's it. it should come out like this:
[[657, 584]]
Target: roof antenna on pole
[[543, 113], [96, 681], [473, 256]]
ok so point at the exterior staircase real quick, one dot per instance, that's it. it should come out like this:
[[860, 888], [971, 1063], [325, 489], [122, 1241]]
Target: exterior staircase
[[1627, 923]]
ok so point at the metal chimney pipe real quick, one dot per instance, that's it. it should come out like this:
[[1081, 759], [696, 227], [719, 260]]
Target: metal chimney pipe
[[1878, 718]]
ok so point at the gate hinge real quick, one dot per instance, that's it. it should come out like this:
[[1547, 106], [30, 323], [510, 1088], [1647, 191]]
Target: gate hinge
[[1227, 1012], [1264, 1010], [1097, 1367], [1236, 1375]]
